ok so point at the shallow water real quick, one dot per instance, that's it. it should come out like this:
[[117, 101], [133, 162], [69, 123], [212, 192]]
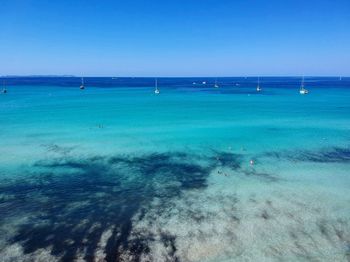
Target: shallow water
[[117, 173]]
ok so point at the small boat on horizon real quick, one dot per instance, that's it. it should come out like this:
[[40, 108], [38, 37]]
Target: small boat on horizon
[[4, 90], [302, 90], [156, 90], [258, 88], [216, 84], [82, 84]]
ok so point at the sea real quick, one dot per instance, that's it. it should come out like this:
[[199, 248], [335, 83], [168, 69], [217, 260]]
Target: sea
[[116, 172]]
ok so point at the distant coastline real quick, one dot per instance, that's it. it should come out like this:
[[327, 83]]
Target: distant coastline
[[27, 76], [204, 76]]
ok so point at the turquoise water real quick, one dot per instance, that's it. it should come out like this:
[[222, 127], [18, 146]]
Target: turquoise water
[[116, 172]]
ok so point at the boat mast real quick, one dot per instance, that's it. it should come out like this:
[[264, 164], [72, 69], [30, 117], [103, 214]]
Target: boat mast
[[4, 87], [302, 83]]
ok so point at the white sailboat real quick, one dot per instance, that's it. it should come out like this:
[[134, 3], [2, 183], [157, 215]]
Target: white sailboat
[[216, 84], [258, 88], [4, 90], [156, 90], [302, 90], [82, 84]]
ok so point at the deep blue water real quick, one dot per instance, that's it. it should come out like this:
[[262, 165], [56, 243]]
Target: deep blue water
[[196, 173], [178, 82]]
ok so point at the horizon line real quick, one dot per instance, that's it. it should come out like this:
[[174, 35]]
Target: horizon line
[[203, 76]]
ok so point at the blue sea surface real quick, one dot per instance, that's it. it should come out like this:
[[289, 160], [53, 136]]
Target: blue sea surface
[[115, 172]]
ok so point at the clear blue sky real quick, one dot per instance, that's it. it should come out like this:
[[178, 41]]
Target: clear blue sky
[[175, 38]]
